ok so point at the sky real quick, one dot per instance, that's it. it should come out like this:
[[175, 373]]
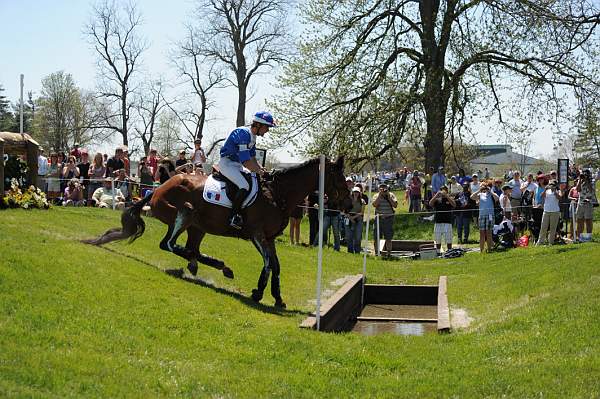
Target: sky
[[39, 37]]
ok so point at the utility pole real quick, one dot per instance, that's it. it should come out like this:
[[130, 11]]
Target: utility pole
[[21, 105]]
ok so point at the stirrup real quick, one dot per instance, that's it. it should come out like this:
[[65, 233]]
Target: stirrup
[[236, 222]]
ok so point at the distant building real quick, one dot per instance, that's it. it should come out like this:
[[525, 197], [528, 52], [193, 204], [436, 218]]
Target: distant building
[[499, 158]]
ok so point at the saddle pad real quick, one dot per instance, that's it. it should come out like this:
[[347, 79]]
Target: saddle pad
[[214, 192]]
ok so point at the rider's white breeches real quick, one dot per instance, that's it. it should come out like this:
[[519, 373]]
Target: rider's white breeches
[[233, 171]]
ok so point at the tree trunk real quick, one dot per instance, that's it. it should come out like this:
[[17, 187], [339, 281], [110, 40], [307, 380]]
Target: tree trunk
[[434, 138], [124, 116], [241, 111], [435, 104]]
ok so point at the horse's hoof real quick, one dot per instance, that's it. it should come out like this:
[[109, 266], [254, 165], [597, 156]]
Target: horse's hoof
[[193, 268], [227, 272], [256, 296], [280, 304]]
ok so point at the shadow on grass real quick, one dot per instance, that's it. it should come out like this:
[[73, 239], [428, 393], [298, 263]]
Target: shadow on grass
[[180, 274]]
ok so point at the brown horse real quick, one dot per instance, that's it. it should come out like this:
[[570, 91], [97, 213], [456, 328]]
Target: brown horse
[[179, 204]]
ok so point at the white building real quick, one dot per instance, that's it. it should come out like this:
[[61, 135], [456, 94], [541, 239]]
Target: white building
[[499, 158]]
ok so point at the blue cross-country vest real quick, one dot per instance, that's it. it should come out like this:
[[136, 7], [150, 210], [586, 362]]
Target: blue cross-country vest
[[240, 145]]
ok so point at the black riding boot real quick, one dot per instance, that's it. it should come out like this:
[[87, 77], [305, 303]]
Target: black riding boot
[[236, 220]]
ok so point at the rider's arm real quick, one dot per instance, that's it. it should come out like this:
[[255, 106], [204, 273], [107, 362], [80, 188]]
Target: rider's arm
[[253, 165]]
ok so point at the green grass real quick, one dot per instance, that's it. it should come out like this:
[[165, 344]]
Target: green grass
[[76, 320]]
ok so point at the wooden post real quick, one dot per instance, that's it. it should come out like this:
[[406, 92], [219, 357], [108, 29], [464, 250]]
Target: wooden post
[[443, 324], [1, 168], [32, 162]]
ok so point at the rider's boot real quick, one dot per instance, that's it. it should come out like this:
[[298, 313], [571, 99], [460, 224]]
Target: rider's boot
[[236, 220]]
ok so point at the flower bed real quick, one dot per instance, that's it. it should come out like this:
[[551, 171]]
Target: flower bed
[[30, 198]]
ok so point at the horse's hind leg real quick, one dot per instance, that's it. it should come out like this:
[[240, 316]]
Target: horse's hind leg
[[195, 236], [169, 241]]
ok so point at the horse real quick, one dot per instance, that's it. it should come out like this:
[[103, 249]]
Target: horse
[[180, 205]]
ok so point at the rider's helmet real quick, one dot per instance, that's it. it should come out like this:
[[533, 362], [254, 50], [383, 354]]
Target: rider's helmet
[[265, 118]]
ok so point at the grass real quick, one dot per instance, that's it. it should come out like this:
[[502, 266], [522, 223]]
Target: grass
[[77, 320]]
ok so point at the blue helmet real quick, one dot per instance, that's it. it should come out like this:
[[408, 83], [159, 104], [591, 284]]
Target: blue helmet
[[265, 118]]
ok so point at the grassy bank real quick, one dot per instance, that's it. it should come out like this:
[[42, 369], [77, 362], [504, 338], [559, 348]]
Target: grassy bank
[[77, 320]]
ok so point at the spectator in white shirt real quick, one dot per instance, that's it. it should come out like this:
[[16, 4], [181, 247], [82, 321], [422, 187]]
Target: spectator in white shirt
[[198, 158], [552, 195], [454, 187], [475, 183], [42, 170], [529, 184], [505, 202], [516, 193]]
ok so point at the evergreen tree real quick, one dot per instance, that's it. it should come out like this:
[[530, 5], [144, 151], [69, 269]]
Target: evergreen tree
[[587, 141], [6, 116]]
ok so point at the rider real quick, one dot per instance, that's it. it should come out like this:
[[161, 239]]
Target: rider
[[238, 152]]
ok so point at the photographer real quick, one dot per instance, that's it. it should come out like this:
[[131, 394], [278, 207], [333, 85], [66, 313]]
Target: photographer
[[551, 195], [584, 212], [146, 178], [442, 204], [70, 170], [486, 198], [385, 203], [165, 170], [73, 195]]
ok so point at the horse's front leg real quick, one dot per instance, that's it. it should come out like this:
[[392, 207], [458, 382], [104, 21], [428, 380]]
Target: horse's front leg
[[275, 281], [262, 247]]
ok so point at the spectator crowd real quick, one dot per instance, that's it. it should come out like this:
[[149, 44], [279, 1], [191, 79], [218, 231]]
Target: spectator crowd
[[76, 179], [504, 209], [508, 211]]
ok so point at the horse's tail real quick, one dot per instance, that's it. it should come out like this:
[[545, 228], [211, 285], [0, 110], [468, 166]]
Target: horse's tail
[[132, 225]]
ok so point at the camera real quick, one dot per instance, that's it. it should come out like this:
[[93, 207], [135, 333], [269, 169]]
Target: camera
[[586, 174]]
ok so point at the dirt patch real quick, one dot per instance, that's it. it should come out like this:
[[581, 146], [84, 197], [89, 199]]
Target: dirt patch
[[459, 318]]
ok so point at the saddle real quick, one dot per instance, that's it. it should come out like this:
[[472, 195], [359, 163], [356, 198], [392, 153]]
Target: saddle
[[219, 190]]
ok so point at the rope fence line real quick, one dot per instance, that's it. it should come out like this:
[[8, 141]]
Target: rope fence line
[[429, 213], [115, 181]]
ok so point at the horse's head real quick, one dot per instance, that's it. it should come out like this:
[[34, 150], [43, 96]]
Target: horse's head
[[335, 183]]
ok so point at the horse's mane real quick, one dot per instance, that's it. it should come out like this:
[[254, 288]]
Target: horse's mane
[[295, 168]]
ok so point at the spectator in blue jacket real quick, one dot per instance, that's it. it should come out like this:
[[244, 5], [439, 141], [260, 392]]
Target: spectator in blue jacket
[[438, 180]]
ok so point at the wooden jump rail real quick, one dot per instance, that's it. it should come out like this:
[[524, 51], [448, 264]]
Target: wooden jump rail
[[343, 309]]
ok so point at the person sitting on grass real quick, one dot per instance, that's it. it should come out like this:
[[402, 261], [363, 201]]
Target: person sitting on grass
[[103, 196], [122, 183], [485, 197], [442, 204], [73, 195]]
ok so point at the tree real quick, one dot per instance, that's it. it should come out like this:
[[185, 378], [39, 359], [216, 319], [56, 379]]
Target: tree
[[113, 33], [244, 36], [10, 114], [149, 107], [587, 140], [369, 72], [203, 74], [167, 137], [566, 148], [63, 114], [6, 116]]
